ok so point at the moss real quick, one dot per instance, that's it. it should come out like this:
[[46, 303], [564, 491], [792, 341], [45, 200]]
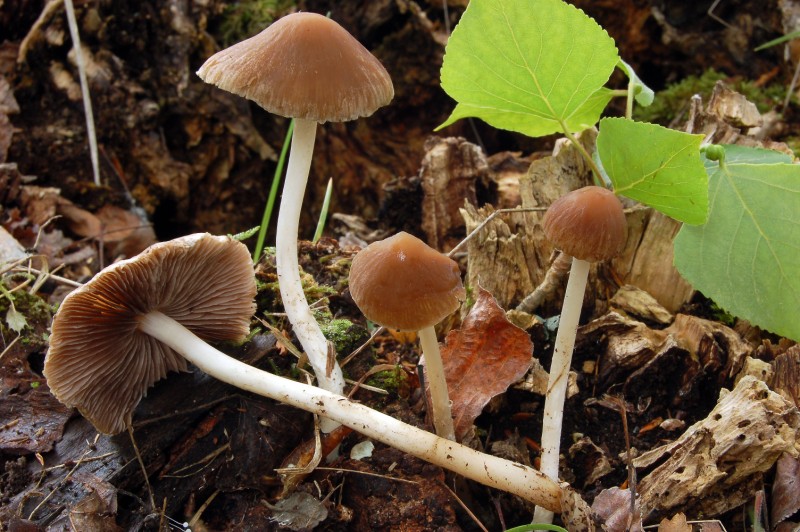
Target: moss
[[246, 18], [345, 335], [673, 100], [390, 380], [37, 314]]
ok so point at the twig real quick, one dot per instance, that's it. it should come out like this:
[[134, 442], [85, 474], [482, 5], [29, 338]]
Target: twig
[[49, 275], [196, 517], [87, 102], [487, 220], [465, 507], [9, 346], [197, 408], [367, 473], [61, 483], [141, 464], [363, 346], [554, 278], [628, 456], [375, 369]]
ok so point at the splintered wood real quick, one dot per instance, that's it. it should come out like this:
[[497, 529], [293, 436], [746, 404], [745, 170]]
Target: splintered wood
[[450, 169], [714, 465]]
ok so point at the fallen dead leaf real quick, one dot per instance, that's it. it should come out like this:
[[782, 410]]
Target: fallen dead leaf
[[676, 524], [785, 489], [613, 505], [482, 359]]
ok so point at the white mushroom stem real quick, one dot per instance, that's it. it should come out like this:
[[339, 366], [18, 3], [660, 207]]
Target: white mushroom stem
[[489, 470], [434, 371], [329, 374], [559, 373]]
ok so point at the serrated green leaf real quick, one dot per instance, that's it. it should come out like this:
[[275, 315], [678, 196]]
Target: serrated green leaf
[[747, 256], [536, 67], [643, 94], [15, 321], [657, 166]]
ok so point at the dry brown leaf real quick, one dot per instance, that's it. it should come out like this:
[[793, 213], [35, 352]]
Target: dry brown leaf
[[786, 489], [97, 511], [125, 232], [676, 524], [482, 359], [613, 506]]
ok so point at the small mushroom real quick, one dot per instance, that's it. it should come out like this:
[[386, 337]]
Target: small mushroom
[[308, 67], [588, 224], [142, 317], [402, 283]]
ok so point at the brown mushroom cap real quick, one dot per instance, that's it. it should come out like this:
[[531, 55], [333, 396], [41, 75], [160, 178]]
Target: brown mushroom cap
[[402, 283], [588, 224], [306, 66], [102, 364]]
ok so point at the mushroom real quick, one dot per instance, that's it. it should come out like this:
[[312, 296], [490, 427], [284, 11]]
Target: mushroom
[[588, 224], [307, 67], [104, 348], [126, 328], [402, 283]]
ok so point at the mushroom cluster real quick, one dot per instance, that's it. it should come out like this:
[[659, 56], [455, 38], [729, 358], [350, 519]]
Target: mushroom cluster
[[140, 318], [307, 67]]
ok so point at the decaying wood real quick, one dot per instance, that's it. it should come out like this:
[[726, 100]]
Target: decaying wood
[[713, 466], [510, 256], [725, 118], [502, 258], [450, 168], [677, 363], [646, 261], [637, 302], [786, 380], [506, 247], [716, 346]]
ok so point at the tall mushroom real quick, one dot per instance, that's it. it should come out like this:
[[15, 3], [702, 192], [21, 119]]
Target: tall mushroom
[[126, 328], [588, 224], [402, 283], [307, 67]]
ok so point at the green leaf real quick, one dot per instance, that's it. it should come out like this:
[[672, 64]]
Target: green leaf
[[780, 40], [747, 256], [643, 94], [15, 321], [536, 67], [657, 166]]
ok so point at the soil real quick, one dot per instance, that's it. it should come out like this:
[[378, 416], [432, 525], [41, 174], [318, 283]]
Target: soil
[[178, 156]]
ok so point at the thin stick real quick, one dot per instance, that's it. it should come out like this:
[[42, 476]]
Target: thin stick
[[363, 346], [144, 469], [61, 483], [465, 507], [489, 218], [87, 102], [552, 280], [196, 517]]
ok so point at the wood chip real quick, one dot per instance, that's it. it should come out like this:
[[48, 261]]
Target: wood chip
[[718, 462]]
